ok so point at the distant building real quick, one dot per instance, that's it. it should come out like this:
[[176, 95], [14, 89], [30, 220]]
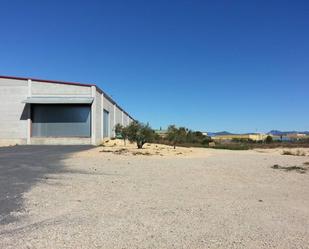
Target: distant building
[[290, 137], [161, 133], [254, 137], [297, 136]]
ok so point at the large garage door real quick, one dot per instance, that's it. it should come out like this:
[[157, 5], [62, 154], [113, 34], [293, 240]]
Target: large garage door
[[61, 120]]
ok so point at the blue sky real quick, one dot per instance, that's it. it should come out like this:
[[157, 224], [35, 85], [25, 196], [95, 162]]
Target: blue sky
[[209, 65]]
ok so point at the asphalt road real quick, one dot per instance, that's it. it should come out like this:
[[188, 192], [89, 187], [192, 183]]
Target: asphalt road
[[23, 166]]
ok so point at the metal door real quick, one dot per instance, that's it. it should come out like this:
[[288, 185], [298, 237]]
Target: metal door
[[105, 123], [61, 120]]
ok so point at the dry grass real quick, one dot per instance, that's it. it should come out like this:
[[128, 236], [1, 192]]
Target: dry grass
[[141, 153], [294, 153], [116, 152], [298, 169], [118, 147]]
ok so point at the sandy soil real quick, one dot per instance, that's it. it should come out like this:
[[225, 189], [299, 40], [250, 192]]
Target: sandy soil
[[118, 147], [166, 198]]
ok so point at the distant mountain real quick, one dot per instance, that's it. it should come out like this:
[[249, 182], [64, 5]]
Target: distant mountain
[[213, 134], [284, 133], [272, 132]]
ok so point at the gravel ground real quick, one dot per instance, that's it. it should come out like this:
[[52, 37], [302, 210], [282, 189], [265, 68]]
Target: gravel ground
[[217, 199]]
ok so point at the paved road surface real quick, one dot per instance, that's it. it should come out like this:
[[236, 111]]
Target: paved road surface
[[23, 166]]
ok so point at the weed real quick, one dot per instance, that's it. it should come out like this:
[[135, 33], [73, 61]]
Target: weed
[[291, 153], [287, 153], [141, 153], [117, 152], [298, 169], [107, 151], [120, 151], [275, 166], [300, 153]]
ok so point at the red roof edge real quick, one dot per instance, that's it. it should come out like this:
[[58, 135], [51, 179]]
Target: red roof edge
[[66, 83]]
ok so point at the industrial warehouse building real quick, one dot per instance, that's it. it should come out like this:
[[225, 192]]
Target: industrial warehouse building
[[34, 111]]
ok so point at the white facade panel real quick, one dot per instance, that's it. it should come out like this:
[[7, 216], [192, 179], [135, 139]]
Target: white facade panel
[[54, 89], [99, 118], [13, 113], [109, 106], [118, 116]]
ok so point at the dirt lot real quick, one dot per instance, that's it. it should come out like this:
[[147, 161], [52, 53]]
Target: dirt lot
[[112, 197]]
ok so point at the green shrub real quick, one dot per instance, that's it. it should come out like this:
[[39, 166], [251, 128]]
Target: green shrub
[[121, 132], [185, 137], [139, 133], [269, 139], [176, 135]]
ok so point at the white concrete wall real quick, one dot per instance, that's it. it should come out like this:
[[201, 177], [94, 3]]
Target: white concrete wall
[[126, 120], [118, 116], [98, 118], [13, 113], [130, 120], [54, 89], [15, 123], [109, 106]]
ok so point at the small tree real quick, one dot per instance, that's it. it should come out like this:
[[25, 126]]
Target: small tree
[[122, 132], [118, 129], [269, 140], [139, 133], [172, 133], [207, 140], [176, 135]]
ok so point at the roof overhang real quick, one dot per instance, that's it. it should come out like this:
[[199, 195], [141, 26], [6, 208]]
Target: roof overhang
[[58, 100]]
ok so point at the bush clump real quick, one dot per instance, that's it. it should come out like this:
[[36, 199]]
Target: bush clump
[[185, 137], [291, 153], [136, 132], [298, 169]]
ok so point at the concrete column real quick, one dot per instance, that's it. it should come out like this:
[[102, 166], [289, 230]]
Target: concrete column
[[29, 113], [93, 116], [122, 121], [102, 117], [114, 133]]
